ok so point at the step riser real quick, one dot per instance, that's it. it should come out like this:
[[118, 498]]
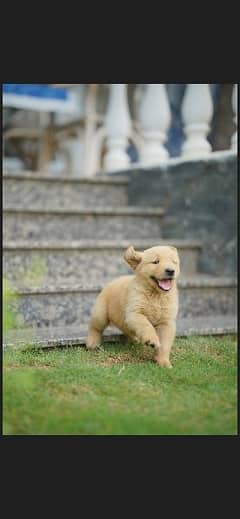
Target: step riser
[[75, 336], [27, 226], [69, 195], [62, 309], [78, 266]]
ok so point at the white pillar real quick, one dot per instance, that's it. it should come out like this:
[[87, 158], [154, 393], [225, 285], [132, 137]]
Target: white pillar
[[154, 118], [197, 112], [117, 124], [234, 106]]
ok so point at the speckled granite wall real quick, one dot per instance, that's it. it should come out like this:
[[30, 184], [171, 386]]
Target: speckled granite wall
[[200, 199], [68, 266], [39, 192], [92, 224], [66, 307]]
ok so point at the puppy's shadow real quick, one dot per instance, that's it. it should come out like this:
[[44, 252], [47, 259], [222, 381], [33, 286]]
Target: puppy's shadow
[[126, 351]]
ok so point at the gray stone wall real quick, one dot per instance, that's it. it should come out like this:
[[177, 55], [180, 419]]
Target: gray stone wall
[[200, 200]]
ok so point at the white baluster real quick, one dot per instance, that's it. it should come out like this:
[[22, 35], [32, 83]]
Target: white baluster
[[197, 112], [154, 118], [234, 106], [117, 124]]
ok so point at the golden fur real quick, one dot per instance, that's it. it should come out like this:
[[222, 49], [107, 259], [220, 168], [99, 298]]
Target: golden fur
[[138, 306]]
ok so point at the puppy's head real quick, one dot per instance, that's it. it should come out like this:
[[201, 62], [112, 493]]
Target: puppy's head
[[158, 266]]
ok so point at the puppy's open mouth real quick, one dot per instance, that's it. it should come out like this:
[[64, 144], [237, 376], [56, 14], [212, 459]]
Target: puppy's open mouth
[[164, 284]]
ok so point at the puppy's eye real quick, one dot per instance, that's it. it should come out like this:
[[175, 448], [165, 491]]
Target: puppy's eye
[[155, 262]]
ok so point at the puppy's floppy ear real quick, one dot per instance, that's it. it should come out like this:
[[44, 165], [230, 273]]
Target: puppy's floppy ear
[[132, 257], [174, 248]]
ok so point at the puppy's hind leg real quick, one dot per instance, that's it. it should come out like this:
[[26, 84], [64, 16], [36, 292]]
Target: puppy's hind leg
[[98, 322]]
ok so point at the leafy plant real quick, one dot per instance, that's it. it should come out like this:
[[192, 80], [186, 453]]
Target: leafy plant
[[9, 315]]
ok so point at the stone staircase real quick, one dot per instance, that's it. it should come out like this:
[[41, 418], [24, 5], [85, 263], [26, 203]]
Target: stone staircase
[[75, 231]]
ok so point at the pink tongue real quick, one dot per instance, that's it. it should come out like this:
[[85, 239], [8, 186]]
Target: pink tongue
[[165, 284]]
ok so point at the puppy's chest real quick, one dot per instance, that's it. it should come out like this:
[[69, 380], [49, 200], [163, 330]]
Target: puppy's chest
[[157, 310]]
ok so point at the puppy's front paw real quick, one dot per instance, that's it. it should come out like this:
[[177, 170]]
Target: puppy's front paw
[[152, 343], [163, 362]]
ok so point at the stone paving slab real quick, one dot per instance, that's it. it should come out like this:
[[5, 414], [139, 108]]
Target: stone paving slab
[[73, 336], [44, 191], [70, 262], [55, 305], [98, 244], [44, 176], [100, 223]]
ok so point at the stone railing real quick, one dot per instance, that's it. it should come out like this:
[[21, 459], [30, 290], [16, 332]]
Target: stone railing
[[105, 142], [102, 136], [154, 120]]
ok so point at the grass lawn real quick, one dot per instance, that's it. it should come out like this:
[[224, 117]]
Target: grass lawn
[[119, 390]]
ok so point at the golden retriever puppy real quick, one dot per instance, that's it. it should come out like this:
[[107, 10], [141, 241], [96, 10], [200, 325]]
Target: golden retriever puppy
[[143, 306]]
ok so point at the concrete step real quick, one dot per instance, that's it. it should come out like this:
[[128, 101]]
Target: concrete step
[[72, 262], [103, 223], [76, 335], [46, 192], [65, 305]]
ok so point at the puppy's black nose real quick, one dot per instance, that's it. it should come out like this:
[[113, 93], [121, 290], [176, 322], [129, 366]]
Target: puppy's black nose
[[169, 272]]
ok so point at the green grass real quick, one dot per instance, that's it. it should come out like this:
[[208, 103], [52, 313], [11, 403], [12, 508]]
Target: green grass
[[119, 390]]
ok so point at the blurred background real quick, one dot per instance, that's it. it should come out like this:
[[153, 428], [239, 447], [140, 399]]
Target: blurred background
[[89, 169], [72, 129]]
